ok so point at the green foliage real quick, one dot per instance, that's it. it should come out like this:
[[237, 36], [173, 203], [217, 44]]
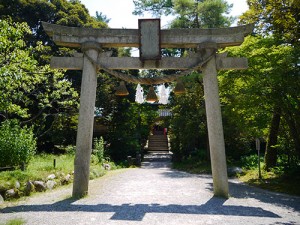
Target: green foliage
[[15, 222], [249, 97], [189, 13], [129, 128], [250, 162], [188, 123], [156, 7], [70, 150], [98, 150], [277, 17], [36, 95], [17, 145], [275, 180], [188, 132]]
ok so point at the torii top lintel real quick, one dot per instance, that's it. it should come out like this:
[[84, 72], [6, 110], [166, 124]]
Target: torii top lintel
[[170, 38]]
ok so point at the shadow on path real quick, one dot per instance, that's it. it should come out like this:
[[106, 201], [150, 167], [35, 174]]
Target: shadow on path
[[237, 189], [136, 212]]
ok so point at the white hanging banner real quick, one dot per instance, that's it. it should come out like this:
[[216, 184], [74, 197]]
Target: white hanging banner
[[139, 94], [163, 95]]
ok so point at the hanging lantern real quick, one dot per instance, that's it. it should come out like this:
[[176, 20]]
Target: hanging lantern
[[121, 90], [151, 96], [179, 88], [163, 95], [139, 94]]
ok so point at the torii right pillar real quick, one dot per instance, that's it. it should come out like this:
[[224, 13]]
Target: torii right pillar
[[214, 123]]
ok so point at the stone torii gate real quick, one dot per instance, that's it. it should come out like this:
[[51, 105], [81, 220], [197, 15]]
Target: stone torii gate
[[149, 38]]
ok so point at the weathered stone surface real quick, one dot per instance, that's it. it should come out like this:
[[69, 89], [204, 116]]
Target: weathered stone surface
[[106, 166], [17, 185], [171, 38], [66, 179], [85, 120], [39, 186], [50, 184], [233, 171], [215, 128], [11, 193], [1, 199], [51, 177], [126, 63], [29, 187]]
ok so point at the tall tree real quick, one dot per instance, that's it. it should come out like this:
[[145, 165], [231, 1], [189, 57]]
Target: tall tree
[[281, 19], [260, 96], [32, 93], [62, 12]]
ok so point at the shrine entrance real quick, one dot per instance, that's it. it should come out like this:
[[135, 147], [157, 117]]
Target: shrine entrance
[[149, 38]]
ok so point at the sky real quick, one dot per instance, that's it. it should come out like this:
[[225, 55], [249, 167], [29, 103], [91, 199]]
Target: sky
[[120, 11]]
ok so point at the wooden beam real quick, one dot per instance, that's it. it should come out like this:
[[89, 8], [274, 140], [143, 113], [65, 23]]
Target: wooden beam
[[172, 38], [127, 63]]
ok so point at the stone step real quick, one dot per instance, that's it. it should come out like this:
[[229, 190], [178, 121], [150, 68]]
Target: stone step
[[158, 144]]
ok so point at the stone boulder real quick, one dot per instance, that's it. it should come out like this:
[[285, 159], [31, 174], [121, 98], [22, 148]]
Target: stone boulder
[[51, 177], [17, 185], [234, 171], [39, 186], [50, 184], [106, 166], [66, 179], [1, 199], [11, 193], [29, 187]]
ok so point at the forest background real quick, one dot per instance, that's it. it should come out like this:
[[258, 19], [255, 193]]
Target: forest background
[[260, 102]]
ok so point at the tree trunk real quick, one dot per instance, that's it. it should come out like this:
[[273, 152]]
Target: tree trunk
[[271, 149], [294, 132]]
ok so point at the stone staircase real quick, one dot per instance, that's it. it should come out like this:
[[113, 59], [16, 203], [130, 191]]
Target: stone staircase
[[158, 144]]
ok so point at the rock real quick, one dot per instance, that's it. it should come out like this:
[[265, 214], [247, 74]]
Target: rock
[[66, 179], [50, 184], [233, 171], [1, 199], [51, 177], [11, 193], [106, 166], [39, 186], [29, 187], [17, 185]]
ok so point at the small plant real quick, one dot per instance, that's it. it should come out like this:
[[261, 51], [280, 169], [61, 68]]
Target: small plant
[[99, 149], [70, 150], [15, 222], [17, 144], [250, 162]]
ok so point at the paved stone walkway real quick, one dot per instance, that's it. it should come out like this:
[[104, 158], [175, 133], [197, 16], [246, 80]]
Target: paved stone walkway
[[156, 194]]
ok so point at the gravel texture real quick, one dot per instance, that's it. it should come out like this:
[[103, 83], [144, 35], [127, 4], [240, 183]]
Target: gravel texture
[[155, 194]]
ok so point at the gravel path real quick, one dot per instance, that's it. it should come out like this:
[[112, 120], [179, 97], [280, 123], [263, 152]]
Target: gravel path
[[156, 194]]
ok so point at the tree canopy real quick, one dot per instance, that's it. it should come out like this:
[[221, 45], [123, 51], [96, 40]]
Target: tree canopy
[[30, 92]]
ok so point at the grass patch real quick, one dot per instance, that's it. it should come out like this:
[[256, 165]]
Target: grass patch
[[279, 179], [193, 165], [15, 222], [280, 182], [40, 167]]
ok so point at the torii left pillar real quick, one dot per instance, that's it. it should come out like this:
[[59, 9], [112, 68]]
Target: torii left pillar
[[86, 120]]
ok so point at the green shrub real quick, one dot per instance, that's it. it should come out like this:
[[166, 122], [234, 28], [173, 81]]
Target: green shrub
[[250, 162], [17, 144], [70, 150], [99, 149]]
